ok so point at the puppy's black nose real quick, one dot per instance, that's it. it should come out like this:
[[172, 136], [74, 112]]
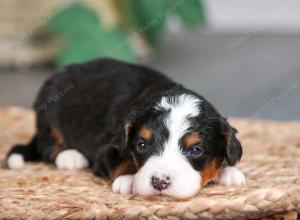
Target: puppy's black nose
[[160, 183]]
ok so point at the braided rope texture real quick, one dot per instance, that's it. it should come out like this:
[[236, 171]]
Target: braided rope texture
[[271, 163]]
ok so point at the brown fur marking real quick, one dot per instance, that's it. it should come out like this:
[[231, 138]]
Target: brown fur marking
[[191, 139], [209, 172], [127, 128], [146, 133], [126, 167], [59, 142]]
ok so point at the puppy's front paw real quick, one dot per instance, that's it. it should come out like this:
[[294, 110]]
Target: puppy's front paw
[[231, 176], [123, 184], [71, 160]]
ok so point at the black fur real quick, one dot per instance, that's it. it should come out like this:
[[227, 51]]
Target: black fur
[[91, 104], [28, 151]]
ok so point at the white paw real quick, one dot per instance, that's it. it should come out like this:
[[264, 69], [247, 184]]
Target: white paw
[[71, 160], [231, 176], [123, 184], [15, 161]]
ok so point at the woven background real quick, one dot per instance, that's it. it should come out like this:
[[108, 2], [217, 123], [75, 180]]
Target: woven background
[[271, 163]]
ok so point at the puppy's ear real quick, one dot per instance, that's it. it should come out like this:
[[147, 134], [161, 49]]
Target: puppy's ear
[[233, 148], [138, 108], [126, 134]]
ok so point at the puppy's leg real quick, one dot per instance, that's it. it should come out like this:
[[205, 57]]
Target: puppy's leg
[[109, 164], [71, 159], [40, 147], [53, 150], [48, 144], [123, 184], [17, 156], [231, 176]]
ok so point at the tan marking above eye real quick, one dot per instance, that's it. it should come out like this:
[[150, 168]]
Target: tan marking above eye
[[146, 133], [191, 139]]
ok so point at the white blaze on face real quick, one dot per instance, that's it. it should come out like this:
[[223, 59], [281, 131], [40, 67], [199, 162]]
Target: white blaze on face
[[184, 180]]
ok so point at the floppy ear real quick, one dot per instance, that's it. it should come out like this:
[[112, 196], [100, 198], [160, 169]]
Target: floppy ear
[[125, 136], [138, 108], [233, 148]]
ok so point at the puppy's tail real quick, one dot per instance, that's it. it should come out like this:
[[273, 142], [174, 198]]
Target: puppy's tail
[[17, 156]]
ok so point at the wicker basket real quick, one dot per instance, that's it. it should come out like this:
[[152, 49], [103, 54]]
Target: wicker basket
[[270, 162]]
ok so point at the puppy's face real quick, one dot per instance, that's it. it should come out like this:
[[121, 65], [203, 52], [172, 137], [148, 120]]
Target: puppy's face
[[178, 146]]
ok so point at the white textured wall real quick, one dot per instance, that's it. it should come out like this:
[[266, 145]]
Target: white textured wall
[[257, 15]]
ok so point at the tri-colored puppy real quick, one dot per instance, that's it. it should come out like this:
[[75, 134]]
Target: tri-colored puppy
[[133, 125]]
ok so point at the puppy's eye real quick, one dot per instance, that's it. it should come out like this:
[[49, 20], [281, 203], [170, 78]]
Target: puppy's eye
[[142, 146], [195, 151]]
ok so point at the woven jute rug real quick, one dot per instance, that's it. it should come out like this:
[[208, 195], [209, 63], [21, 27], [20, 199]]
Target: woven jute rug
[[271, 163]]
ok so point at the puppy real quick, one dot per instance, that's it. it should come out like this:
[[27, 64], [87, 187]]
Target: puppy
[[133, 126]]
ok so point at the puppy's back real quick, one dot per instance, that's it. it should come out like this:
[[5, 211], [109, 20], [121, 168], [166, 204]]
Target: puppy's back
[[89, 100]]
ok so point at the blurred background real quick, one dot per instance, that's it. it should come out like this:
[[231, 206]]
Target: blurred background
[[242, 55]]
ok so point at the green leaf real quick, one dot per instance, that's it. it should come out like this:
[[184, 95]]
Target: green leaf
[[86, 39], [79, 50], [191, 12], [150, 18], [75, 19]]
